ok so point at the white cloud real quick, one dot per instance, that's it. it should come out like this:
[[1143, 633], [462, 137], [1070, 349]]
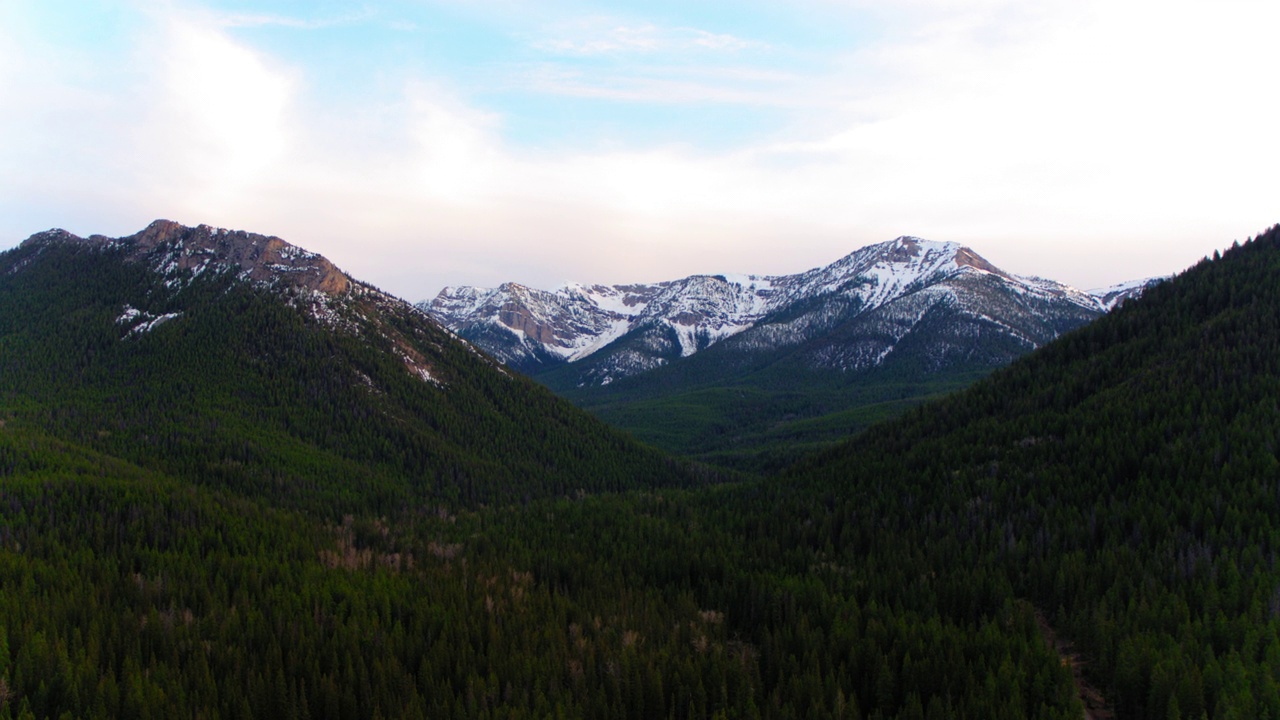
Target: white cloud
[[254, 20], [186, 122], [678, 85], [1089, 141], [456, 151], [1084, 131], [606, 36], [225, 119]]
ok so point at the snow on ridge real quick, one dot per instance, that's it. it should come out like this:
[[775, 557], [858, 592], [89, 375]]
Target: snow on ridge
[[460, 300], [293, 252], [1112, 296], [1046, 289], [687, 337], [154, 323], [1126, 286], [213, 230], [615, 301]]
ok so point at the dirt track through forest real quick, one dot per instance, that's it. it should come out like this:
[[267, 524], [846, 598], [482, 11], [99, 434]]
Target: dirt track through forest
[[1095, 705]]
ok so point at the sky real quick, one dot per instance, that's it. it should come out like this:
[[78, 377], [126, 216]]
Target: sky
[[425, 143]]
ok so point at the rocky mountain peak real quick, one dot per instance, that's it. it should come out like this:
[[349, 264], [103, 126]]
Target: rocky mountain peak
[[912, 251], [304, 280], [171, 247], [50, 236], [902, 249]]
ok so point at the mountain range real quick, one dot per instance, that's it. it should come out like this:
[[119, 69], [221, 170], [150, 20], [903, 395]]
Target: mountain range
[[236, 482], [616, 331], [856, 340]]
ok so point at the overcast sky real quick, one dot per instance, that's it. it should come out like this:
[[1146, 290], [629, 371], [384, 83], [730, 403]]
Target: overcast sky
[[423, 143]]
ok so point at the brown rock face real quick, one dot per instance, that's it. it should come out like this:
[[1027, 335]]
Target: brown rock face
[[264, 258], [172, 246], [518, 318], [965, 256]]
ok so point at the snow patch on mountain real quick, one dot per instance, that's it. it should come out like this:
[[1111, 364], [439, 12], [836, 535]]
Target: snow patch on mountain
[[139, 322], [1113, 296], [617, 328]]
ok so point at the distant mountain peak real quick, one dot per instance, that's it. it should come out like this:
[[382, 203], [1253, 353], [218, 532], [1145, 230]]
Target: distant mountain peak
[[909, 249]]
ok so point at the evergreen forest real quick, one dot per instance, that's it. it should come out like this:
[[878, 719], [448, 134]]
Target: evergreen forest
[[247, 512]]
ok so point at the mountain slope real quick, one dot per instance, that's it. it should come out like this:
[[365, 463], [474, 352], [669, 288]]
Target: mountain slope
[[240, 359], [1124, 478]]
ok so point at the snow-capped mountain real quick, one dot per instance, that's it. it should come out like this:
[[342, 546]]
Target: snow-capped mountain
[[942, 299]]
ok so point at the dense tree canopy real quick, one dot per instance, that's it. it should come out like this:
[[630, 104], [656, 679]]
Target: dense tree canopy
[[221, 518]]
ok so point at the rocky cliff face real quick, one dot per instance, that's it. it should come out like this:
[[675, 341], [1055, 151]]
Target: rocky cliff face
[[849, 315]]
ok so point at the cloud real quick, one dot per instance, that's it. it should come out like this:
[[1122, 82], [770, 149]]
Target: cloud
[[604, 58], [1085, 122], [1092, 141], [254, 20], [9, 56], [186, 119], [603, 36], [225, 116], [456, 153], [670, 84]]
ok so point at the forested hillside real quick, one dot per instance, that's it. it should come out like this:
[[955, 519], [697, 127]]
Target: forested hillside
[[341, 402], [127, 594], [224, 541], [1124, 479]]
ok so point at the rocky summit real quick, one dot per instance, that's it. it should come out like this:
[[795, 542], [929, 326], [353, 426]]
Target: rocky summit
[[172, 248]]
